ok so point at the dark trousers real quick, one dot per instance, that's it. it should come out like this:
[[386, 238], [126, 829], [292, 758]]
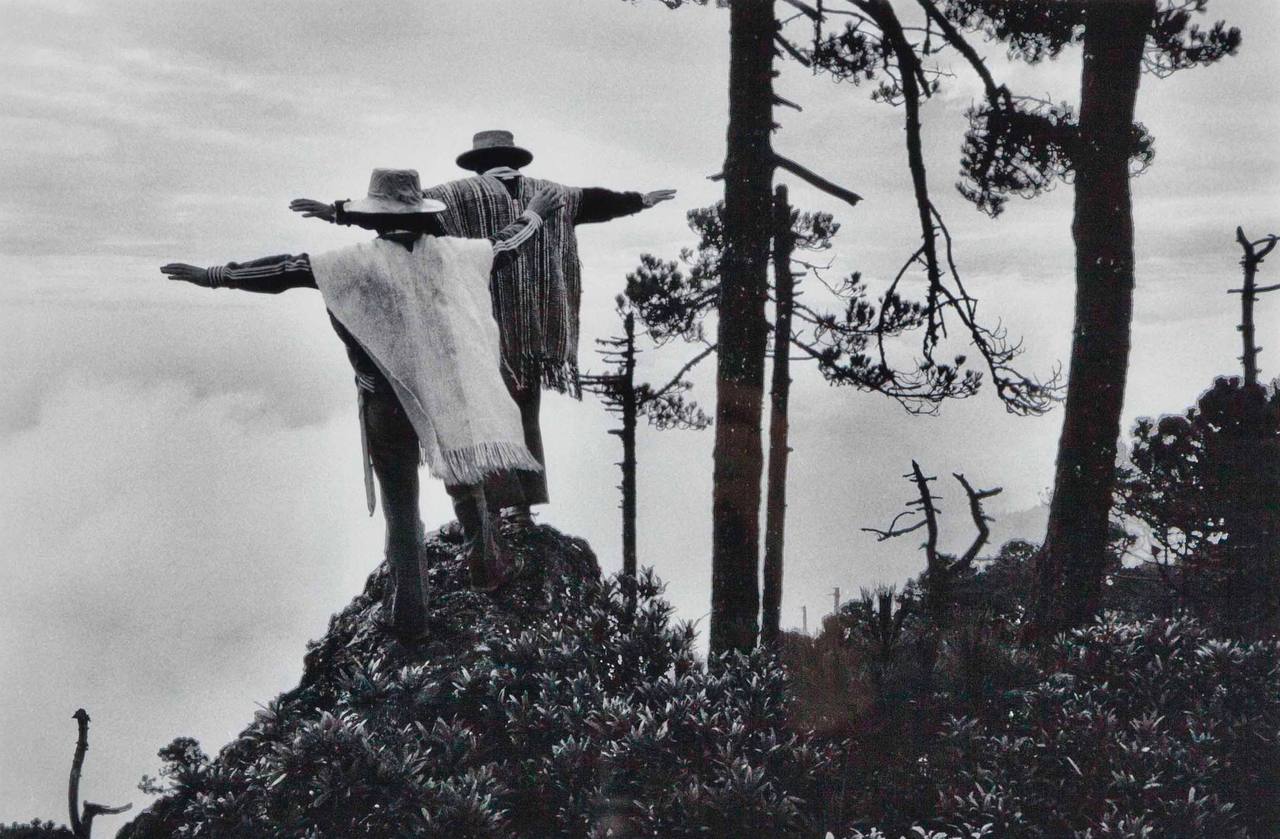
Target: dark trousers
[[393, 450], [530, 487]]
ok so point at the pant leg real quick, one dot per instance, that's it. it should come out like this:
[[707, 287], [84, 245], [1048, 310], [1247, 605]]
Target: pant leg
[[485, 554], [528, 398], [393, 448]]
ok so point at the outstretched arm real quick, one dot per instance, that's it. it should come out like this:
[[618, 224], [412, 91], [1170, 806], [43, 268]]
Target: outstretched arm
[[336, 214], [269, 275], [311, 208], [600, 204]]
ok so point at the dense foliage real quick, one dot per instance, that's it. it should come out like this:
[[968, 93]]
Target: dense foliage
[[1204, 484], [545, 712], [1140, 729], [550, 712], [1127, 727]]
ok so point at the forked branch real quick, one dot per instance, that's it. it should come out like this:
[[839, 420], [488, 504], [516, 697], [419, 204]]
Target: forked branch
[[82, 820]]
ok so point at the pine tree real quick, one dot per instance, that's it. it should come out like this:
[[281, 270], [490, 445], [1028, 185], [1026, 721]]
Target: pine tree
[[849, 347], [756, 38], [664, 407], [1019, 146], [1206, 486]]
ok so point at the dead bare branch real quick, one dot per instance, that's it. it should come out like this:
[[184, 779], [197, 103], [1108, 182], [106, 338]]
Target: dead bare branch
[[679, 376], [980, 519], [82, 821], [786, 103], [792, 50], [815, 180], [808, 11]]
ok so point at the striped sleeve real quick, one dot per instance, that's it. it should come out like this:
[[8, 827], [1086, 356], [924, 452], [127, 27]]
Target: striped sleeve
[[518, 233], [269, 275]]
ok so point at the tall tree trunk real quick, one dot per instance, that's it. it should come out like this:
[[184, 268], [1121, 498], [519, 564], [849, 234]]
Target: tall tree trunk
[[629, 461], [738, 459], [775, 515], [1072, 559]]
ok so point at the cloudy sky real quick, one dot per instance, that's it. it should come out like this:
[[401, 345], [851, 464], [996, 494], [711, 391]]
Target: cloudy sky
[[182, 506]]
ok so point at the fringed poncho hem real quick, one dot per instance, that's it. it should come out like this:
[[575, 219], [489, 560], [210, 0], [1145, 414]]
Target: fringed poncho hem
[[560, 376], [472, 464], [425, 318]]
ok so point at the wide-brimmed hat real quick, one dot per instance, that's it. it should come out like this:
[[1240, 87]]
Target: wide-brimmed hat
[[394, 191], [494, 148]]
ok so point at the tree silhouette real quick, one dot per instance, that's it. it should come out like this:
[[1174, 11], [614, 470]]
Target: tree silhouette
[[756, 38], [942, 570], [664, 407], [83, 814], [1254, 253], [1206, 485], [849, 347], [1021, 146]]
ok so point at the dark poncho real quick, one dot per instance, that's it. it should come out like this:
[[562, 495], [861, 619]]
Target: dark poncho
[[536, 296]]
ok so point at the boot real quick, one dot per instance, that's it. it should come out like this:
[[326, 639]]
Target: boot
[[489, 563]]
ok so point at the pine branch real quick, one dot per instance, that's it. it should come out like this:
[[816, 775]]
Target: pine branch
[[679, 376], [995, 93]]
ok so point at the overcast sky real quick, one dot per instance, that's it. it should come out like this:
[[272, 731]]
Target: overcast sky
[[182, 506]]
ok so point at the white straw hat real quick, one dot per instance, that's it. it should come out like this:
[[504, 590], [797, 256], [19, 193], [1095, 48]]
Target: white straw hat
[[394, 191]]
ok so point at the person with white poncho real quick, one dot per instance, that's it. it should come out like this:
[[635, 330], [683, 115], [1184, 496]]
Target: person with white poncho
[[413, 307], [536, 297]]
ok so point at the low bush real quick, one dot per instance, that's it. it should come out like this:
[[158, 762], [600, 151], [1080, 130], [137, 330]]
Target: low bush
[[549, 711], [1148, 728]]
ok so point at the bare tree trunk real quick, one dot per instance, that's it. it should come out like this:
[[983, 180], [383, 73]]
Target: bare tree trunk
[[775, 516], [1072, 559], [1253, 256], [82, 817], [77, 765], [629, 459], [1252, 519], [738, 458], [1250, 356]]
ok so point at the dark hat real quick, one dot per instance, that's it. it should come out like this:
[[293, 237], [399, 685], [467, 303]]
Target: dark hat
[[494, 148], [394, 191]]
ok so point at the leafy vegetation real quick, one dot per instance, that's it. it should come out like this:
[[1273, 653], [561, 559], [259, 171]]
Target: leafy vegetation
[[546, 712]]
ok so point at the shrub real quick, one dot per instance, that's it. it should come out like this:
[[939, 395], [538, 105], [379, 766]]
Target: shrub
[[1150, 728], [548, 711], [35, 829]]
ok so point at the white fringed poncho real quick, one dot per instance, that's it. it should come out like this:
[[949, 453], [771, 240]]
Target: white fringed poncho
[[426, 318]]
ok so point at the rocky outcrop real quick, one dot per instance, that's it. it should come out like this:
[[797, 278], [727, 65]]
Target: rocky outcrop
[[559, 706]]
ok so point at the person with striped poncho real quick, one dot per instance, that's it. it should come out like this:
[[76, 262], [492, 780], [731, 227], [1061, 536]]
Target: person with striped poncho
[[535, 297], [413, 308]]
